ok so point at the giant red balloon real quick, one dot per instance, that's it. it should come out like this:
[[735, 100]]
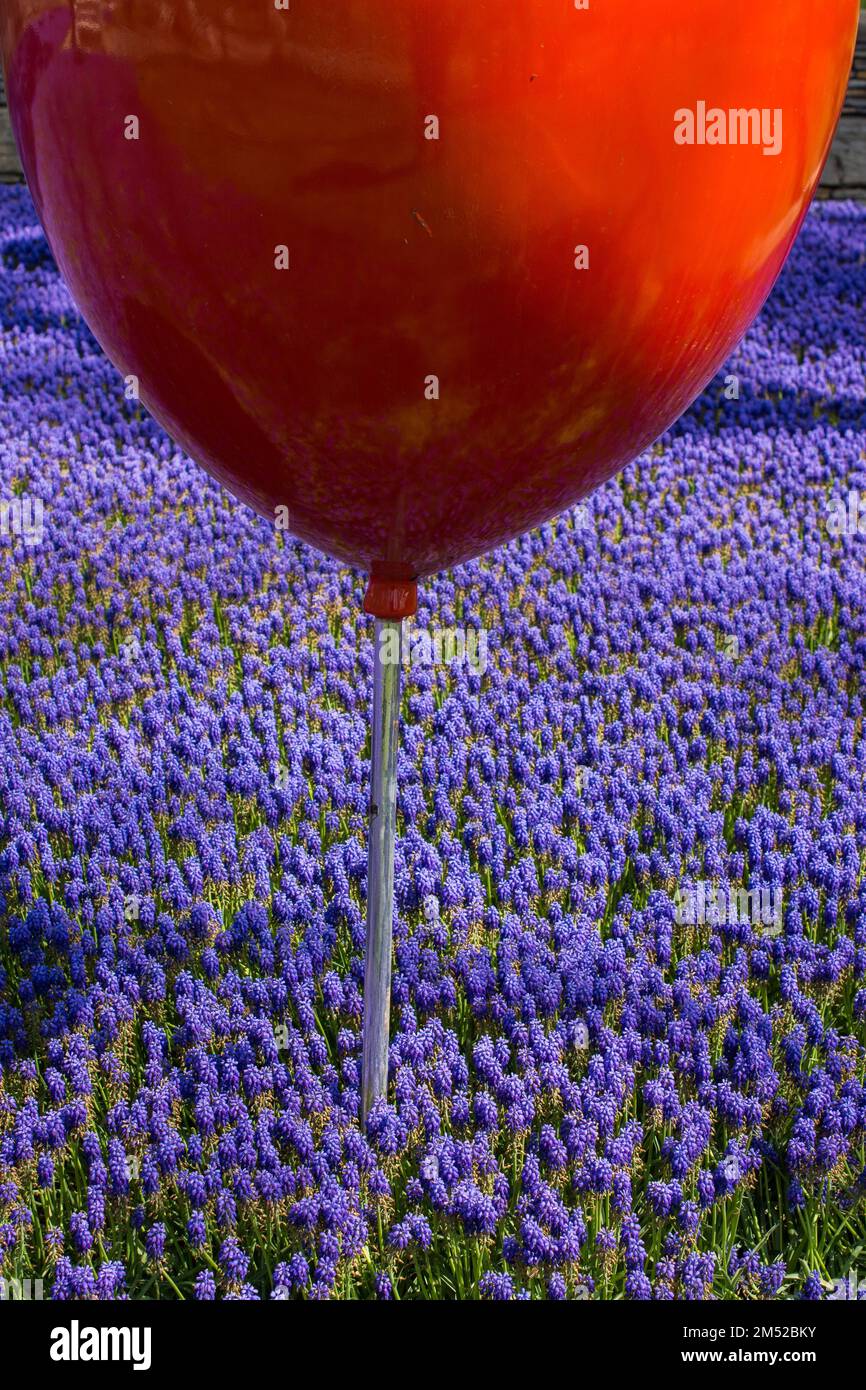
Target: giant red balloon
[[412, 257]]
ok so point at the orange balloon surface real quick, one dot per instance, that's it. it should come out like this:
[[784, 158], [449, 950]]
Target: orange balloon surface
[[421, 272]]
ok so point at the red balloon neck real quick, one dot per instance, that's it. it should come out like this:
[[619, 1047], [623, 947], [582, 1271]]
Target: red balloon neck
[[391, 598]]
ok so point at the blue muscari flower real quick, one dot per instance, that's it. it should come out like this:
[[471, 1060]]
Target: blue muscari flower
[[233, 1262], [196, 1229], [154, 1241], [813, 1288], [111, 1281], [82, 1237], [498, 1287]]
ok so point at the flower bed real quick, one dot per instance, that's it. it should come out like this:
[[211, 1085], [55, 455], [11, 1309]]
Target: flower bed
[[593, 1093]]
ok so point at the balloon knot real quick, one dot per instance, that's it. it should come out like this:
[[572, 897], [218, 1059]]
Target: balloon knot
[[391, 598]]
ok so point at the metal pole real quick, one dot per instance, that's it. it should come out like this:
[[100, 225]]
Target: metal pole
[[387, 658]]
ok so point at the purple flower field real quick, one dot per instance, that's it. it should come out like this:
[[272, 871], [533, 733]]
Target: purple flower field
[[629, 996]]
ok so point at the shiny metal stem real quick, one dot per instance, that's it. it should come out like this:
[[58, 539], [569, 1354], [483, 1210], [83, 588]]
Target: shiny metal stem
[[388, 652]]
